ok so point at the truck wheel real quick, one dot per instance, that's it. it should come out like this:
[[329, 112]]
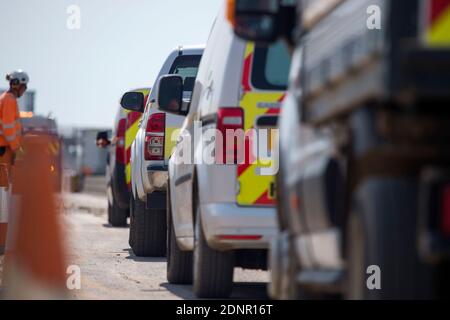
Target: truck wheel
[[179, 263], [118, 216], [213, 270], [148, 231], [382, 240], [290, 287], [131, 233], [281, 203], [109, 212]]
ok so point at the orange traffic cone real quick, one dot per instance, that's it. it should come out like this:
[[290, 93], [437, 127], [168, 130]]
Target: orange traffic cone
[[35, 260]]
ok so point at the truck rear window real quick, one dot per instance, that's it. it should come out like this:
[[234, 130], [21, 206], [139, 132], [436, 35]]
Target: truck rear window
[[186, 67], [271, 65]]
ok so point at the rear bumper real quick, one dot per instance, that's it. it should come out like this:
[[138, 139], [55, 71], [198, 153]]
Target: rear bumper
[[157, 178], [232, 221]]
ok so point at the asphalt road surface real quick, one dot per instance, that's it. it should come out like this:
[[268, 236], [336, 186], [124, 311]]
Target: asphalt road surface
[[110, 270]]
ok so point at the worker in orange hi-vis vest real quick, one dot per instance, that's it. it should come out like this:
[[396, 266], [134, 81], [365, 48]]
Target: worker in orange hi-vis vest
[[10, 133]]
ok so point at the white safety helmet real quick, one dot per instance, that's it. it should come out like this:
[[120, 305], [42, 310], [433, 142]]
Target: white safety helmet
[[18, 77]]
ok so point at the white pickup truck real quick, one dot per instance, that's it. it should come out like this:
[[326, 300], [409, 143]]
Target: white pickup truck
[[150, 153]]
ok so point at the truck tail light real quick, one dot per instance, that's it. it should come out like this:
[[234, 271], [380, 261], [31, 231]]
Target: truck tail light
[[445, 211], [120, 142], [229, 121], [154, 137]]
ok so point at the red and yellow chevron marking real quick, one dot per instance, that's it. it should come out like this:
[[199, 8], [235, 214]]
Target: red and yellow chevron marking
[[53, 147], [170, 139], [255, 189], [133, 119], [438, 23], [248, 61]]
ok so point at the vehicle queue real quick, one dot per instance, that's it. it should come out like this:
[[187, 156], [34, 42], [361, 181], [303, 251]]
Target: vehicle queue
[[327, 214]]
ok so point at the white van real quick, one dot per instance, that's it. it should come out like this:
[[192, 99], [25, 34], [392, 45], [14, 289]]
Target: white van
[[224, 213]]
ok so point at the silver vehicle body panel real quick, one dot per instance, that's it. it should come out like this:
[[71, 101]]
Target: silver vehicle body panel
[[143, 180]]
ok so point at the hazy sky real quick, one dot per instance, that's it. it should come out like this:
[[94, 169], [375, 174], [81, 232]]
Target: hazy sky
[[79, 75]]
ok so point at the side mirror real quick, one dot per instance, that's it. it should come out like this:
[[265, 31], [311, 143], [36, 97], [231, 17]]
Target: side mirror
[[133, 101], [170, 94], [255, 20]]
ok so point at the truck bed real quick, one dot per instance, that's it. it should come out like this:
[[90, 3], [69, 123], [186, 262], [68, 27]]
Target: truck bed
[[346, 64]]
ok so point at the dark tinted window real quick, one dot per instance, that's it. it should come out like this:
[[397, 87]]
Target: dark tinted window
[[271, 67], [187, 68]]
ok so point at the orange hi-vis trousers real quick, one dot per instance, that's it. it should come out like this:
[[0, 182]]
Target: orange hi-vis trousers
[[5, 172]]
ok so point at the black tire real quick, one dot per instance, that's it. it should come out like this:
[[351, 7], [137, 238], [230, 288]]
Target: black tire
[[281, 202], [382, 231], [131, 233], [148, 231], [118, 216], [179, 263], [213, 270], [291, 289], [109, 212]]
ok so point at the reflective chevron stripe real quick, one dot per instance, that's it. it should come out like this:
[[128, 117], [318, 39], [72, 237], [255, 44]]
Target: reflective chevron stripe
[[255, 189], [132, 129], [54, 148], [438, 23]]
